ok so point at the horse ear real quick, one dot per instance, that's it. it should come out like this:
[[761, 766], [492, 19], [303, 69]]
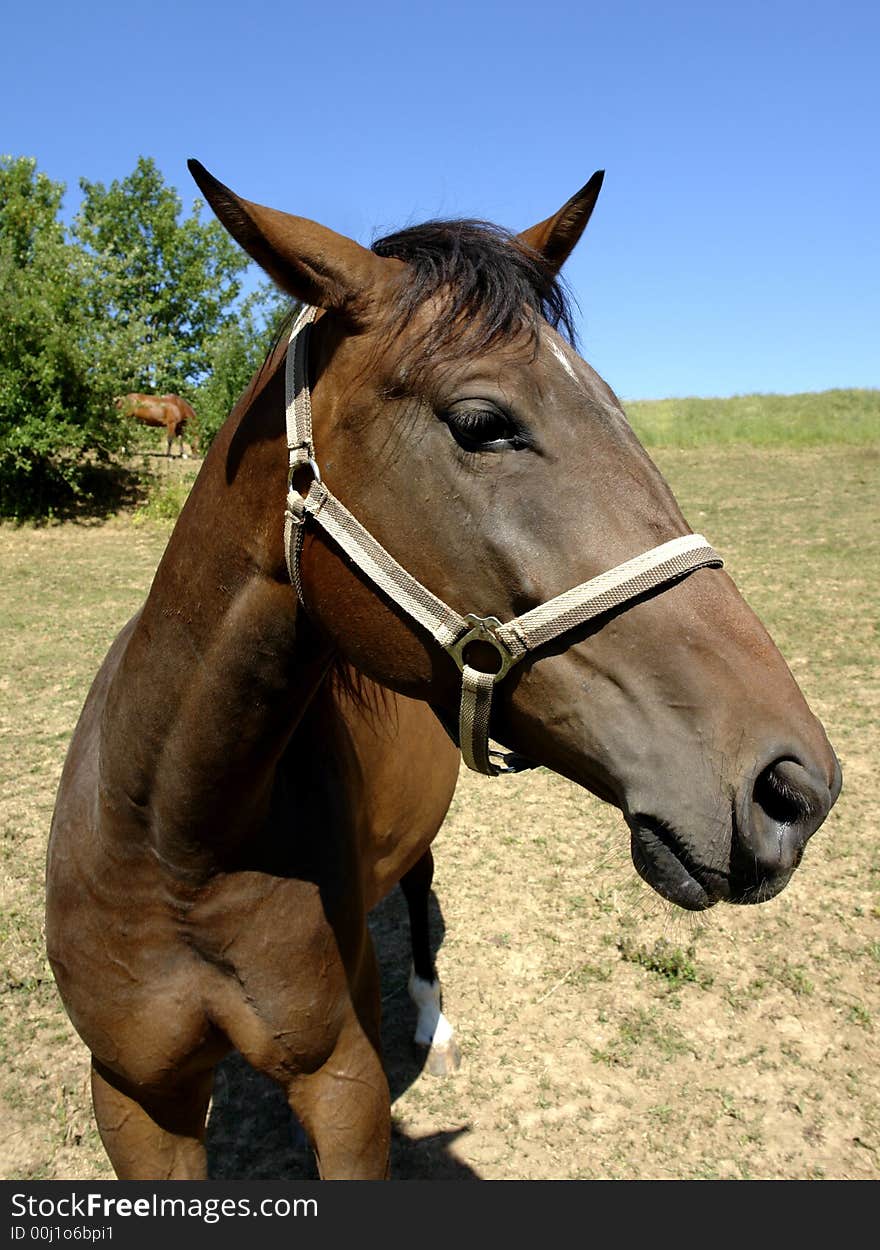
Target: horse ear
[[555, 238], [307, 260]]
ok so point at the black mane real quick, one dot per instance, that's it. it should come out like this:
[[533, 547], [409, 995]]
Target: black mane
[[488, 279]]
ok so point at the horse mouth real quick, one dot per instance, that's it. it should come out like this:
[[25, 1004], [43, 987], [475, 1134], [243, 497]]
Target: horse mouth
[[660, 858]]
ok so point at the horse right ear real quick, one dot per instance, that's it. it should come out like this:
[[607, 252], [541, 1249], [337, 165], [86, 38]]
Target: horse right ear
[[307, 260]]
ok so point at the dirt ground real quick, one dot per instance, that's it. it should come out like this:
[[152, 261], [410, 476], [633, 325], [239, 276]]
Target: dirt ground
[[604, 1034]]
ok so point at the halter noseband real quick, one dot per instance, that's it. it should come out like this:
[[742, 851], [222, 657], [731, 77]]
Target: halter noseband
[[511, 640]]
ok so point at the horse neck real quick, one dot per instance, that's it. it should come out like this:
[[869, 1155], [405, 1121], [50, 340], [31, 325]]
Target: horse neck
[[220, 666]]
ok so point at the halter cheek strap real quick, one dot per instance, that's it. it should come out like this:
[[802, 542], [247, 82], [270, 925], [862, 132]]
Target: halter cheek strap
[[512, 640]]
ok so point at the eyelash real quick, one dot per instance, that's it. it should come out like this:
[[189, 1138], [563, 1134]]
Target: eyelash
[[470, 428]]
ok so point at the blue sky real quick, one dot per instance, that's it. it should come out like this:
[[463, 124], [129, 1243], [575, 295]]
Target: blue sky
[[735, 244]]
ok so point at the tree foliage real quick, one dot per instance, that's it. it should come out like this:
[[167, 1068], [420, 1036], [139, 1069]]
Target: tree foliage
[[176, 279], [54, 361], [132, 297], [236, 352]]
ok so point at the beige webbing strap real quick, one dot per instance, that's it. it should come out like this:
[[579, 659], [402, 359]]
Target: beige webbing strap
[[473, 720], [371, 558], [657, 567], [299, 400], [609, 590]]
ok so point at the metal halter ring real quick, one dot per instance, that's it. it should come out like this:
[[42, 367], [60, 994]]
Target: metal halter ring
[[483, 630], [303, 464]]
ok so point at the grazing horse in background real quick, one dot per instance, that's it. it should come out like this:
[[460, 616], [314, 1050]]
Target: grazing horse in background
[[223, 828], [168, 411]]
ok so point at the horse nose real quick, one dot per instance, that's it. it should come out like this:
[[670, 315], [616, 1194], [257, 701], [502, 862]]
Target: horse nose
[[784, 807]]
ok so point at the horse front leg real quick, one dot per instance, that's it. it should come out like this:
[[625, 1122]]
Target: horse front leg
[[434, 1034], [345, 1108], [310, 1020], [152, 1134]]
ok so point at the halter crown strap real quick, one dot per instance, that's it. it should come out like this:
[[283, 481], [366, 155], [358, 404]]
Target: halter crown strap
[[661, 566]]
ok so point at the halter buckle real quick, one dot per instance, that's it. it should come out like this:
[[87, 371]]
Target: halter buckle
[[483, 629]]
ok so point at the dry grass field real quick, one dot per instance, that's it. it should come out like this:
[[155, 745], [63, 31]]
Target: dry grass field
[[604, 1034]]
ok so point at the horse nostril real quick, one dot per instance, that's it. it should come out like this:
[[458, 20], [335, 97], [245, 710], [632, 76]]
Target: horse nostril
[[786, 794], [786, 806]]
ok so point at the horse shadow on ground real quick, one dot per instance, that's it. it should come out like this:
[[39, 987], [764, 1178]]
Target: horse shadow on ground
[[252, 1134]]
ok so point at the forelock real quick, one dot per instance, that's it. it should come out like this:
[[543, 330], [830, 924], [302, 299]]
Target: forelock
[[489, 286]]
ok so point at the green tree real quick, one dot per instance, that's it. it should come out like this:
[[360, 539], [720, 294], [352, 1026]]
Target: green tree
[[57, 366], [236, 352], [135, 297], [176, 280]]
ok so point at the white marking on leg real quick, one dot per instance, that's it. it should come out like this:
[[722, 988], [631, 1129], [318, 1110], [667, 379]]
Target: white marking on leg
[[432, 1027]]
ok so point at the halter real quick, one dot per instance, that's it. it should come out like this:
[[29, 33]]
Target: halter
[[512, 640]]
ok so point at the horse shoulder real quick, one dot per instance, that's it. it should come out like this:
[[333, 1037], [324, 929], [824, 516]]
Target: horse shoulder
[[73, 839]]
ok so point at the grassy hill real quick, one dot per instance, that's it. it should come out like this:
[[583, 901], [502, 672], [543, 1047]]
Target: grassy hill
[[849, 417]]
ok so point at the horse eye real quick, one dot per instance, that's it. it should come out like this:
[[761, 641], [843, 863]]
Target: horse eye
[[480, 427]]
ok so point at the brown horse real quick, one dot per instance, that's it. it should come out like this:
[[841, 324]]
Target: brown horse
[[168, 411], [223, 827]]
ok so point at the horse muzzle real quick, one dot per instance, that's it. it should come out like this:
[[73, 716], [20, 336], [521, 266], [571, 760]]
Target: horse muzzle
[[663, 859], [781, 808]]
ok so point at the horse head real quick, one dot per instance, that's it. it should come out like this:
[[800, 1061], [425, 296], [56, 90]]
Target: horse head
[[455, 420]]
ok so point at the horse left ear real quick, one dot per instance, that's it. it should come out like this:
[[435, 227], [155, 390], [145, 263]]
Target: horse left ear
[[555, 237]]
